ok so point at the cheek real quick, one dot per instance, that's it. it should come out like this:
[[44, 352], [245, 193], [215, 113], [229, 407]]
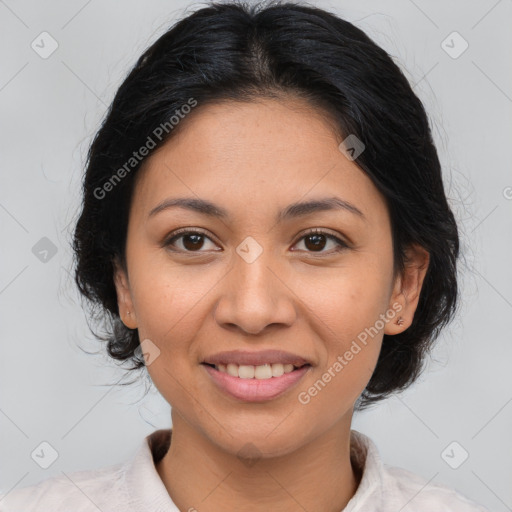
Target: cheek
[[168, 304], [346, 310], [168, 299], [171, 304], [346, 300]]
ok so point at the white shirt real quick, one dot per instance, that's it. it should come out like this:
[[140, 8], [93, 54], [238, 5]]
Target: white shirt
[[135, 486]]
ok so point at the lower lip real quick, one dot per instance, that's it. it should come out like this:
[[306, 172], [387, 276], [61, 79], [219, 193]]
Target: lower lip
[[255, 390]]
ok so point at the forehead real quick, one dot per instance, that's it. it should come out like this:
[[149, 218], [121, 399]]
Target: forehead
[[248, 155]]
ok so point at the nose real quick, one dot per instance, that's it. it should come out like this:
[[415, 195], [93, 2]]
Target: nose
[[254, 297]]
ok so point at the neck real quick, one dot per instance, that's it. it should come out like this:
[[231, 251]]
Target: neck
[[317, 477]]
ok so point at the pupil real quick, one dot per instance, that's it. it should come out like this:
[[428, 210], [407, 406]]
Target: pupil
[[319, 241], [196, 243]]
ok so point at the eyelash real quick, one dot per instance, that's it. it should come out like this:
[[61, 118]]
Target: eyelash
[[315, 231]]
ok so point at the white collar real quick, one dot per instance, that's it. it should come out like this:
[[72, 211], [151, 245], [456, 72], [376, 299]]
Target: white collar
[[145, 487]]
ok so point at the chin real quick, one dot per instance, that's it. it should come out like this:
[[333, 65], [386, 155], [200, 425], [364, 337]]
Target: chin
[[262, 440]]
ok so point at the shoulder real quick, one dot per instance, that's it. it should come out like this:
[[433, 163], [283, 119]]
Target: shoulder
[[80, 491], [388, 489], [131, 485], [413, 492]]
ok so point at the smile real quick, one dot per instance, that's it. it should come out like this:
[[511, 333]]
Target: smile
[[264, 371], [255, 383]]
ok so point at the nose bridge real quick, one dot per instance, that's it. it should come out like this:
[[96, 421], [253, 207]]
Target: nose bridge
[[253, 279], [254, 296]]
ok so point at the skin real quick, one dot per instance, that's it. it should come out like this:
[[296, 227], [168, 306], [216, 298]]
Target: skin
[[254, 159]]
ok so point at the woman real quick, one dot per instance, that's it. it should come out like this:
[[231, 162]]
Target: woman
[[264, 221]]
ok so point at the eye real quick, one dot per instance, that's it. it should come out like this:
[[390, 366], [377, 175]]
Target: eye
[[193, 240], [315, 241], [190, 240]]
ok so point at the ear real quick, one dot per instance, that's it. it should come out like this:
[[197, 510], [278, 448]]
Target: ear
[[124, 298], [407, 288]]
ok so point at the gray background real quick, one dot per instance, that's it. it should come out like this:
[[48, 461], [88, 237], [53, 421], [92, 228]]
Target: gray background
[[50, 108]]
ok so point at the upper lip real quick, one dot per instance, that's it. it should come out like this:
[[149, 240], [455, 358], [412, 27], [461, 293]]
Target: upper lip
[[256, 358]]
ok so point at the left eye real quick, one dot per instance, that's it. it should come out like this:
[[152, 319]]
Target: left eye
[[314, 241]]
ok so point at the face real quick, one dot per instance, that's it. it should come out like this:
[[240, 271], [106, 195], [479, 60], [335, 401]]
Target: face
[[307, 282]]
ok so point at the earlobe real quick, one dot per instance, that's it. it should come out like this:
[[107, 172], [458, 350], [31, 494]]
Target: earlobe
[[408, 287], [124, 300]]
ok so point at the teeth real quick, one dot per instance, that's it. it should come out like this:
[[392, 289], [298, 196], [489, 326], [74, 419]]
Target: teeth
[[232, 370], [288, 368], [246, 372], [264, 371]]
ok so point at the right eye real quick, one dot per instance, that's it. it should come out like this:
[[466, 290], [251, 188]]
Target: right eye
[[191, 240]]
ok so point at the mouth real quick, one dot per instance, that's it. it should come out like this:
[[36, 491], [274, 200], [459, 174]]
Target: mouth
[[260, 383], [258, 372]]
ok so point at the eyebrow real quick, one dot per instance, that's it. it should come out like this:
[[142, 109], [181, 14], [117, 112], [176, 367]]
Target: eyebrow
[[293, 210]]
